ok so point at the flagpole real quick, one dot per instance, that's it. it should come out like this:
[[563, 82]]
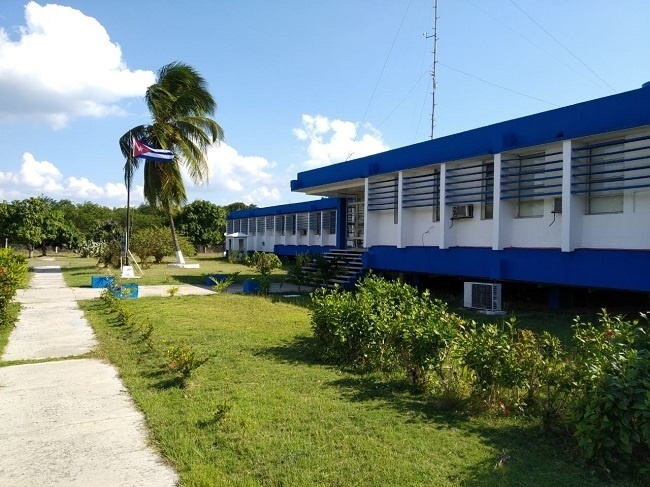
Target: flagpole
[[128, 204], [128, 218]]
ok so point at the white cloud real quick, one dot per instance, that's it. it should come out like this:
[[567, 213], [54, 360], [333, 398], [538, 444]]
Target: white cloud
[[63, 66], [263, 194], [332, 141], [42, 177], [236, 177]]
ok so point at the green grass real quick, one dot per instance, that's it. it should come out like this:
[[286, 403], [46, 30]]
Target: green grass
[[263, 410], [5, 329], [78, 271]]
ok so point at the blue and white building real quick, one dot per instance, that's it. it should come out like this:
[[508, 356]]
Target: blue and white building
[[559, 198]]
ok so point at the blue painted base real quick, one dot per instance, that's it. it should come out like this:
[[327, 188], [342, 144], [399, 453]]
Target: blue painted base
[[292, 250], [625, 270]]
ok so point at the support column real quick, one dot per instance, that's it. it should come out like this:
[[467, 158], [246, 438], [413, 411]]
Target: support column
[[365, 212], [400, 215], [497, 237], [444, 209], [568, 239]]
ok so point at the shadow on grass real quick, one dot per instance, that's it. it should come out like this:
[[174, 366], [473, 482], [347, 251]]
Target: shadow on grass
[[301, 350], [189, 279], [520, 452], [161, 379], [41, 270], [302, 300]]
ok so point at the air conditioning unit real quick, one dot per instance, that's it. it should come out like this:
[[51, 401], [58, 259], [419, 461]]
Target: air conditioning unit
[[462, 211], [557, 205], [483, 296]]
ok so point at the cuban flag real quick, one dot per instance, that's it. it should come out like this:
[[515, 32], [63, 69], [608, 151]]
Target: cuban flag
[[145, 151]]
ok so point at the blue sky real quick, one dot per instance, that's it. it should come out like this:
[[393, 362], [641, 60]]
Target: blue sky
[[299, 83]]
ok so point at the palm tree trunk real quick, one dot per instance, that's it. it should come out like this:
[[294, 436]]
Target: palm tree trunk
[[177, 247]]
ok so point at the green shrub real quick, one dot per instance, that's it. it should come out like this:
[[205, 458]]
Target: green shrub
[[220, 286], [13, 270], [488, 350], [425, 339], [326, 269], [157, 243], [264, 262], [611, 408], [296, 274], [384, 325], [334, 316], [91, 248], [110, 254], [182, 359]]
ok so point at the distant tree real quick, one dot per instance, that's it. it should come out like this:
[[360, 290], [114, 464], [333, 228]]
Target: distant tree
[[4, 220], [85, 216], [238, 206], [157, 243], [34, 222], [106, 231], [140, 219], [203, 223]]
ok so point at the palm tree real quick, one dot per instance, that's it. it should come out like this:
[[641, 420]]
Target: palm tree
[[181, 107]]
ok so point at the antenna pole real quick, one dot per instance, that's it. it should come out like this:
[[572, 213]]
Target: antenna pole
[[435, 62]]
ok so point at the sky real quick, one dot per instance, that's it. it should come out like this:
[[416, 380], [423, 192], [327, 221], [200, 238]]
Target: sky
[[299, 84]]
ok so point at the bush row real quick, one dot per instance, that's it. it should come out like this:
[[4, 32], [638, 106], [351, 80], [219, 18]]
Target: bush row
[[180, 358], [598, 389], [13, 270]]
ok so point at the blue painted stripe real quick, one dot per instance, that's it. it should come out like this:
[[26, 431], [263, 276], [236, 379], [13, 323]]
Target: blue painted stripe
[[609, 269], [292, 250], [322, 204]]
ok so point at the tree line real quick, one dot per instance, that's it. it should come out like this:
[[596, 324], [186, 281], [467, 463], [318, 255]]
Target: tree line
[[42, 222]]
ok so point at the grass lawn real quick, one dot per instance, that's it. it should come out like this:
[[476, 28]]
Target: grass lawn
[[264, 411], [78, 271]]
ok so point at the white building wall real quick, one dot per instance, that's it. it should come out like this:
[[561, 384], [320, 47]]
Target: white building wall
[[419, 227], [470, 232], [381, 228], [538, 232]]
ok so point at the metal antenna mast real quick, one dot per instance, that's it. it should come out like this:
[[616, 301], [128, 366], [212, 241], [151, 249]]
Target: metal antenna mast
[[435, 61]]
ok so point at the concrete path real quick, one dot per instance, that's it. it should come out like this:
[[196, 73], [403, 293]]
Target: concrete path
[[67, 423], [50, 323]]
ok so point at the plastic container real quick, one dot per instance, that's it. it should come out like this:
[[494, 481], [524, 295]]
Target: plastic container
[[126, 291], [251, 287], [101, 281]]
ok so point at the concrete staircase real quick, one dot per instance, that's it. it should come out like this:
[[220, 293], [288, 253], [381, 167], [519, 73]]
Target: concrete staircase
[[350, 268]]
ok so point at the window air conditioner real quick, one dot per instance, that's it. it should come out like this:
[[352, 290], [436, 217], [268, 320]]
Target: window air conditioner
[[462, 211], [483, 296], [557, 205]]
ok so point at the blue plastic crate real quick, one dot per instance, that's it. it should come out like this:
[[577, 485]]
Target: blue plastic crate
[[216, 277], [125, 291], [101, 281]]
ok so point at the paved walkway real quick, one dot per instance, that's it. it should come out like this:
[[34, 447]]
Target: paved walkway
[[67, 423]]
